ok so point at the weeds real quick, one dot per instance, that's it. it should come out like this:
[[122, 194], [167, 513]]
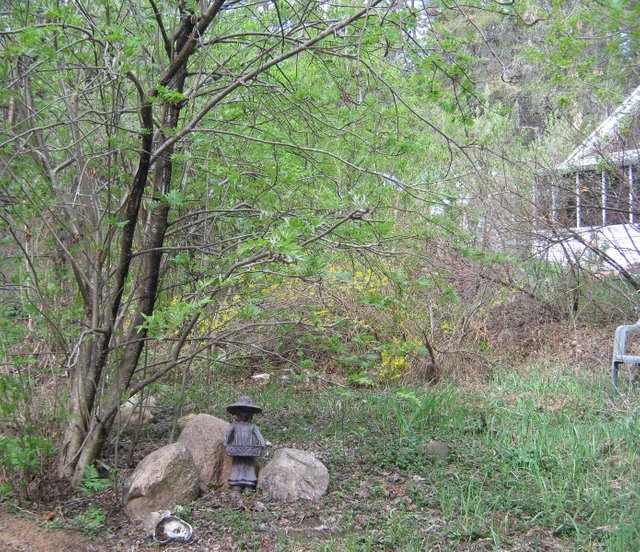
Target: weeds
[[91, 518], [539, 460], [92, 482], [23, 445], [553, 465]]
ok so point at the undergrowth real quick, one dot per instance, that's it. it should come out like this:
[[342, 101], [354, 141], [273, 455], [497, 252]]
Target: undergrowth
[[543, 459]]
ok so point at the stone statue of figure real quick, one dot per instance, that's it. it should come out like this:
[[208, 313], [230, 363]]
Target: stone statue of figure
[[243, 442]]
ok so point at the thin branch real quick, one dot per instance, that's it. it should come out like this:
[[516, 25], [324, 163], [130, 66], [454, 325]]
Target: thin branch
[[242, 81], [306, 149], [165, 38]]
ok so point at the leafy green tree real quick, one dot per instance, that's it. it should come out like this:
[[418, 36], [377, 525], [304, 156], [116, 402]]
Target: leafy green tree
[[103, 102], [164, 155]]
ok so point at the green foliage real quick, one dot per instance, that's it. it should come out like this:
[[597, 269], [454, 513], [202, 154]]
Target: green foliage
[[170, 96], [23, 455], [91, 519], [92, 482], [23, 445]]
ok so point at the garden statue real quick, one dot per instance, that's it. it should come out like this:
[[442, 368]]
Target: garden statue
[[243, 442]]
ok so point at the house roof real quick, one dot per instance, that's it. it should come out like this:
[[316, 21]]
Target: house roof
[[588, 154]]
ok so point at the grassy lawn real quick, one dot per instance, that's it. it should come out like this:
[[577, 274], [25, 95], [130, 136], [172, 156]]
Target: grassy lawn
[[542, 460]]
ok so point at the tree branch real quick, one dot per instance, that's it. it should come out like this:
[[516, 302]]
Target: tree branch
[[242, 80], [165, 38]]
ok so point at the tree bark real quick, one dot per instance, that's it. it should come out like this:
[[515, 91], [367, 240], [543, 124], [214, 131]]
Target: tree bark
[[88, 428]]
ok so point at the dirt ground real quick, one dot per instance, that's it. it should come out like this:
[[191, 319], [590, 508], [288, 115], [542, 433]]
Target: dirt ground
[[24, 535]]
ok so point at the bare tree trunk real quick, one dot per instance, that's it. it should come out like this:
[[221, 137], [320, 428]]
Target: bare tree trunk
[[90, 424]]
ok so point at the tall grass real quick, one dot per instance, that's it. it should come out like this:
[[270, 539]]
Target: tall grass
[[540, 459]]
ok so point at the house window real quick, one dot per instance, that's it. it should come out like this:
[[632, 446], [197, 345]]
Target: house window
[[592, 192], [589, 198], [564, 202], [618, 196]]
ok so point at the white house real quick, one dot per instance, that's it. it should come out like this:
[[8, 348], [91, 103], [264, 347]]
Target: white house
[[588, 208]]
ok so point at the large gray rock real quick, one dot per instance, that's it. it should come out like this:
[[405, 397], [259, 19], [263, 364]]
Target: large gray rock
[[135, 412], [203, 435], [166, 476], [294, 474]]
